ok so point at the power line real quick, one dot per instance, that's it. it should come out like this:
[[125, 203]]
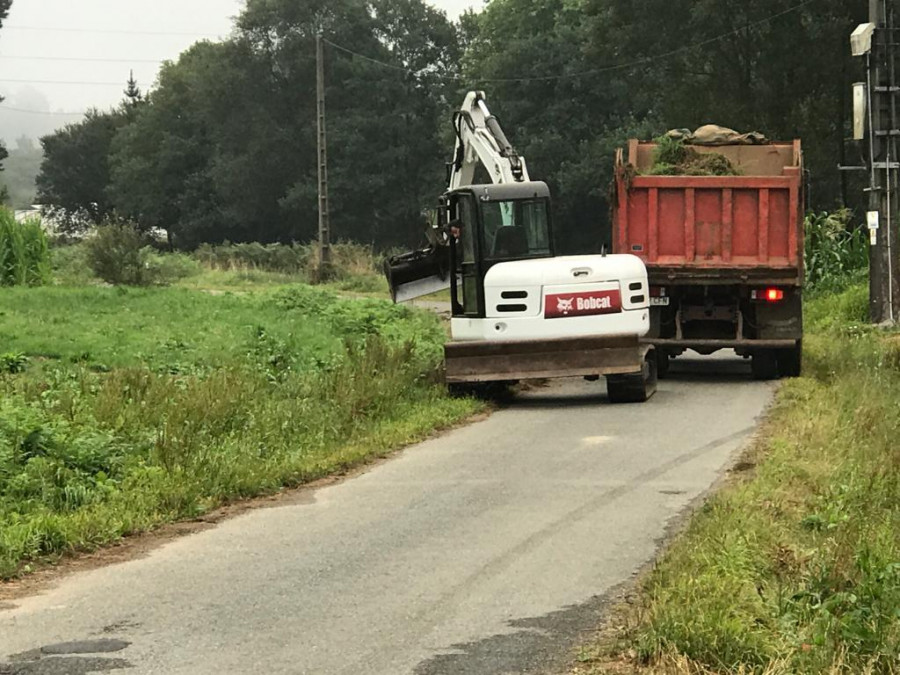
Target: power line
[[41, 112], [593, 71], [79, 59], [101, 31], [72, 82]]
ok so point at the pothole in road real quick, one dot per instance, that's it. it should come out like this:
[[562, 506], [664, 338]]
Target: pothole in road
[[66, 658]]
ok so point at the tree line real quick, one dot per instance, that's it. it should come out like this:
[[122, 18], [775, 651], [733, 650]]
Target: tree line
[[224, 146]]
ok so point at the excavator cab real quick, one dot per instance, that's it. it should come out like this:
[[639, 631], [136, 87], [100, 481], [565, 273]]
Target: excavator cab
[[473, 229], [491, 224]]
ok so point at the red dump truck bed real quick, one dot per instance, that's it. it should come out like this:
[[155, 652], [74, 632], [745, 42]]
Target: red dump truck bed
[[724, 253], [712, 229]]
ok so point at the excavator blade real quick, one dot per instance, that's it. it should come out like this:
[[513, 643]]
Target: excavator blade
[[418, 273]]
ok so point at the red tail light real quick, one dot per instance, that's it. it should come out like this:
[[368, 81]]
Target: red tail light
[[768, 295]]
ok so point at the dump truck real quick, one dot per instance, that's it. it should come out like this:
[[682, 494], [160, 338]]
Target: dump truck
[[724, 254]]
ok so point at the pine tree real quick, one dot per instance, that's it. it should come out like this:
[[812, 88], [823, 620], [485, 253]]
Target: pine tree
[[133, 95]]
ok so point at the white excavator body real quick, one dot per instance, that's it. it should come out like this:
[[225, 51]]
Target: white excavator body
[[519, 311]]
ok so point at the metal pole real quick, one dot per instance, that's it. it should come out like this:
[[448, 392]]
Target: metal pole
[[324, 220], [892, 156], [880, 271]]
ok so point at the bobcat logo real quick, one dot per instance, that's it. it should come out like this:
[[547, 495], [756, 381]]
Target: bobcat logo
[[564, 305]]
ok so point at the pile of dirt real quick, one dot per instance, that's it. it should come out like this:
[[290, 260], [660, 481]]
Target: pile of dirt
[[673, 158]]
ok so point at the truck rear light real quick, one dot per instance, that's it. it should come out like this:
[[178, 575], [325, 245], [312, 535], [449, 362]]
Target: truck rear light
[[767, 295], [657, 292]]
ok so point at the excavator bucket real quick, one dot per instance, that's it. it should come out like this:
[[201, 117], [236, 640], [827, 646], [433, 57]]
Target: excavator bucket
[[418, 273]]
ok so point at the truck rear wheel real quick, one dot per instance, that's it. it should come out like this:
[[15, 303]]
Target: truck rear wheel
[[634, 387], [790, 361], [764, 365]]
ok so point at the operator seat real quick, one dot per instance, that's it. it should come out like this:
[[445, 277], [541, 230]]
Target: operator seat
[[510, 242]]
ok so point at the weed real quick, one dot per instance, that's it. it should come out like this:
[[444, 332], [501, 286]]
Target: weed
[[13, 363]]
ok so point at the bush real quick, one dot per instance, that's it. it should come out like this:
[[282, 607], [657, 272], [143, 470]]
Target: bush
[[70, 265], [24, 253], [286, 259], [118, 255], [167, 268]]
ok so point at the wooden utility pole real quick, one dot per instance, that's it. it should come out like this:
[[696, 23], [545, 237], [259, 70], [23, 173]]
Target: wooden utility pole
[[884, 161], [324, 217]]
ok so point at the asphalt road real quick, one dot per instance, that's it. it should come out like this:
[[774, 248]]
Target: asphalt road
[[486, 551]]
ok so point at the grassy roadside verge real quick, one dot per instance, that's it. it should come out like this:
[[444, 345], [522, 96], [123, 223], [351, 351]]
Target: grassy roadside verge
[[795, 568], [121, 410]]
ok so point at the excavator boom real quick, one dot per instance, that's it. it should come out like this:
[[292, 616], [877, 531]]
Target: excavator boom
[[480, 141]]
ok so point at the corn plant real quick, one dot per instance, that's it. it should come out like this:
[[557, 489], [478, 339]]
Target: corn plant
[[836, 253], [24, 252]]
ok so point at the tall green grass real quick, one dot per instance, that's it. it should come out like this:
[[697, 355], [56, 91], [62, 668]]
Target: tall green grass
[[124, 408], [24, 252], [837, 252], [796, 567]]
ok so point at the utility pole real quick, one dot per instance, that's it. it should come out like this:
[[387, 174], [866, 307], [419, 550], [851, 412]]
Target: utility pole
[[876, 41], [324, 216]]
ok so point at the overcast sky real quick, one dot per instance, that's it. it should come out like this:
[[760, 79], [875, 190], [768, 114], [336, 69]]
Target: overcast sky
[[61, 56]]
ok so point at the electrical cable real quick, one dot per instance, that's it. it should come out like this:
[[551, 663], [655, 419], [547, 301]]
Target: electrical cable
[[73, 82], [103, 31], [40, 112], [593, 71], [78, 59]]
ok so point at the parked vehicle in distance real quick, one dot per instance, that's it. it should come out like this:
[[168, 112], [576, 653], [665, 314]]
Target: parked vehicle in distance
[[724, 254]]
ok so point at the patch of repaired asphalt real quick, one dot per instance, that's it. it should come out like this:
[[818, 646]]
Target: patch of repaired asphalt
[[65, 659], [540, 645]]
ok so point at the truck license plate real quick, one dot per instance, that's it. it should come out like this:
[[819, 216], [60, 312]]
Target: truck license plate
[[659, 302], [562, 305]]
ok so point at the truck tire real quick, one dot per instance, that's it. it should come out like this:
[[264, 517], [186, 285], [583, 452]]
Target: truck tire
[[634, 387], [790, 361], [764, 365]]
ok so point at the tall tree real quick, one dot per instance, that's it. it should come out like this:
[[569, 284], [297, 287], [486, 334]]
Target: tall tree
[[74, 174], [225, 146], [4, 12], [769, 65]]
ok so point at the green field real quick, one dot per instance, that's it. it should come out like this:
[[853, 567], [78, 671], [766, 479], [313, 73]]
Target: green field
[[795, 566], [125, 408]]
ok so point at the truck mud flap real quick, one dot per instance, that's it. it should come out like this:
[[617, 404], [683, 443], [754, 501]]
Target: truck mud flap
[[489, 361]]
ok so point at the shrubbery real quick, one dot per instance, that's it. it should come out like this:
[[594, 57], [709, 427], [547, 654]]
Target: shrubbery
[[119, 254]]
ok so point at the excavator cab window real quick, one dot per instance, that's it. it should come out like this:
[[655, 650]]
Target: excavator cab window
[[514, 230]]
